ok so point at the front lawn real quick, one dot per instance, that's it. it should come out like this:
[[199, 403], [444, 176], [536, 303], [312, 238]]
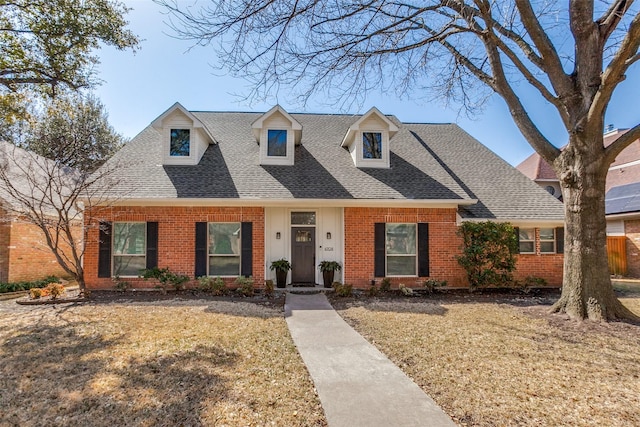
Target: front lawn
[[509, 363], [154, 363]]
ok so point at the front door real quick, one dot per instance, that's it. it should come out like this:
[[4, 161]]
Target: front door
[[303, 255]]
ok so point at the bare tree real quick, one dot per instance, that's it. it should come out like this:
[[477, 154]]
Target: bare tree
[[573, 57], [52, 197]]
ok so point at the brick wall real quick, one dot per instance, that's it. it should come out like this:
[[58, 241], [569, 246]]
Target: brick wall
[[632, 231], [5, 230], [176, 237], [26, 253], [444, 246]]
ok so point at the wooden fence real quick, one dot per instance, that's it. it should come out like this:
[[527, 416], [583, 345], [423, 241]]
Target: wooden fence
[[617, 254]]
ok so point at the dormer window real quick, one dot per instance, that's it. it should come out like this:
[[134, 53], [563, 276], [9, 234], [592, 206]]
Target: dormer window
[[277, 133], [372, 145], [184, 137], [276, 143], [368, 140], [180, 142]]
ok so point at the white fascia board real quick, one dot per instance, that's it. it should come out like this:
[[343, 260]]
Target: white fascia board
[[626, 215], [158, 122], [443, 203], [520, 222]]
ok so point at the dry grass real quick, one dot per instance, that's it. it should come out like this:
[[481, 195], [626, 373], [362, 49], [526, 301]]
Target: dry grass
[[490, 364], [165, 363]]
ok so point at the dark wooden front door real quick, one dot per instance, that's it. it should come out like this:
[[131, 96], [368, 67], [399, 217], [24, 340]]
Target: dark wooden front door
[[303, 254]]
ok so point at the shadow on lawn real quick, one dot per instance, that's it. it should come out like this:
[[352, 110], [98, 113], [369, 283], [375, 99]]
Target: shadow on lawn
[[54, 375]]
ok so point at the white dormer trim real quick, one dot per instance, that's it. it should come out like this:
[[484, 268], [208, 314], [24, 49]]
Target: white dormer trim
[[376, 122], [178, 117], [277, 119]]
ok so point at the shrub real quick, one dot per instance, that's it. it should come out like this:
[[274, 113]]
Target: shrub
[[25, 286], [245, 286], [216, 286], [166, 277], [488, 256], [119, 284], [35, 293], [385, 285], [54, 290], [345, 290], [433, 285], [268, 288], [531, 282], [407, 292], [373, 290]]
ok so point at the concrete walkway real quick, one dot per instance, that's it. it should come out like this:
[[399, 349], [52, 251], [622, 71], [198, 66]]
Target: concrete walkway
[[357, 385]]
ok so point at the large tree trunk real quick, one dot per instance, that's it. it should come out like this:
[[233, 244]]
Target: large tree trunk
[[587, 292]]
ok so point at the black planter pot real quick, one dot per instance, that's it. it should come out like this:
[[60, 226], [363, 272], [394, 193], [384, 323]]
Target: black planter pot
[[281, 278], [327, 277]]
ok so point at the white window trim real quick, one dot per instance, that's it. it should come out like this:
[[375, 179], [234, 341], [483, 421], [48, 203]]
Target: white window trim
[[168, 159], [533, 241], [384, 162], [113, 252], [386, 255], [265, 159], [239, 256], [555, 241]]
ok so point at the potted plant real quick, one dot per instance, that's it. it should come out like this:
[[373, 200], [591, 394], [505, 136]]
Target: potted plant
[[328, 269], [282, 267]]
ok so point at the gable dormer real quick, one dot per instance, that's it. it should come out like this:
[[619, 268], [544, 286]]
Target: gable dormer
[[277, 133], [368, 140], [184, 138]]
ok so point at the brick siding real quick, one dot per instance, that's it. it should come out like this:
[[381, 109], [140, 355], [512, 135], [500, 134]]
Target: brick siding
[[176, 238], [632, 231], [24, 254]]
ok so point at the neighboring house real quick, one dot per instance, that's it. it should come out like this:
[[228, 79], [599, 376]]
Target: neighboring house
[[621, 207], [24, 254], [225, 194]]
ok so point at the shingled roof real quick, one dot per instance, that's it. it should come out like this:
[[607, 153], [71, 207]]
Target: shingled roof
[[429, 162]]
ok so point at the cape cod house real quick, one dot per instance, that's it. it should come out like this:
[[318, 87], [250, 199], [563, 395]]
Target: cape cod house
[[226, 193]]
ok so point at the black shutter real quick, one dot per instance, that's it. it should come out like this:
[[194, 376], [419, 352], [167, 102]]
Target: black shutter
[[104, 251], [152, 245], [201, 249], [423, 249], [379, 256], [517, 230], [560, 240], [246, 234]]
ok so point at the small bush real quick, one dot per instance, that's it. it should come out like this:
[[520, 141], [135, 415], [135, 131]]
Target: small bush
[[531, 282], [268, 288], [166, 277], [25, 286], [433, 285], [373, 290], [216, 286], [119, 284], [407, 292], [54, 290], [345, 290], [245, 286], [385, 285], [35, 293]]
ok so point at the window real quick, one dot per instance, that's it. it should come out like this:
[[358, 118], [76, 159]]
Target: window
[[401, 249], [129, 248], [276, 143], [180, 143], [371, 145], [224, 249], [547, 241], [303, 218], [527, 237]]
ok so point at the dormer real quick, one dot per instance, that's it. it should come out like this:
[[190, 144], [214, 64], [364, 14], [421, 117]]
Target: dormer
[[277, 133], [184, 138], [368, 140]]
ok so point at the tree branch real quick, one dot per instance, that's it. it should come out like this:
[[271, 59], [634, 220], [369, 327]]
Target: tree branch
[[616, 147]]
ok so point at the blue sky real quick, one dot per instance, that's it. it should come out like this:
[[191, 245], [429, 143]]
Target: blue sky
[[139, 87]]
